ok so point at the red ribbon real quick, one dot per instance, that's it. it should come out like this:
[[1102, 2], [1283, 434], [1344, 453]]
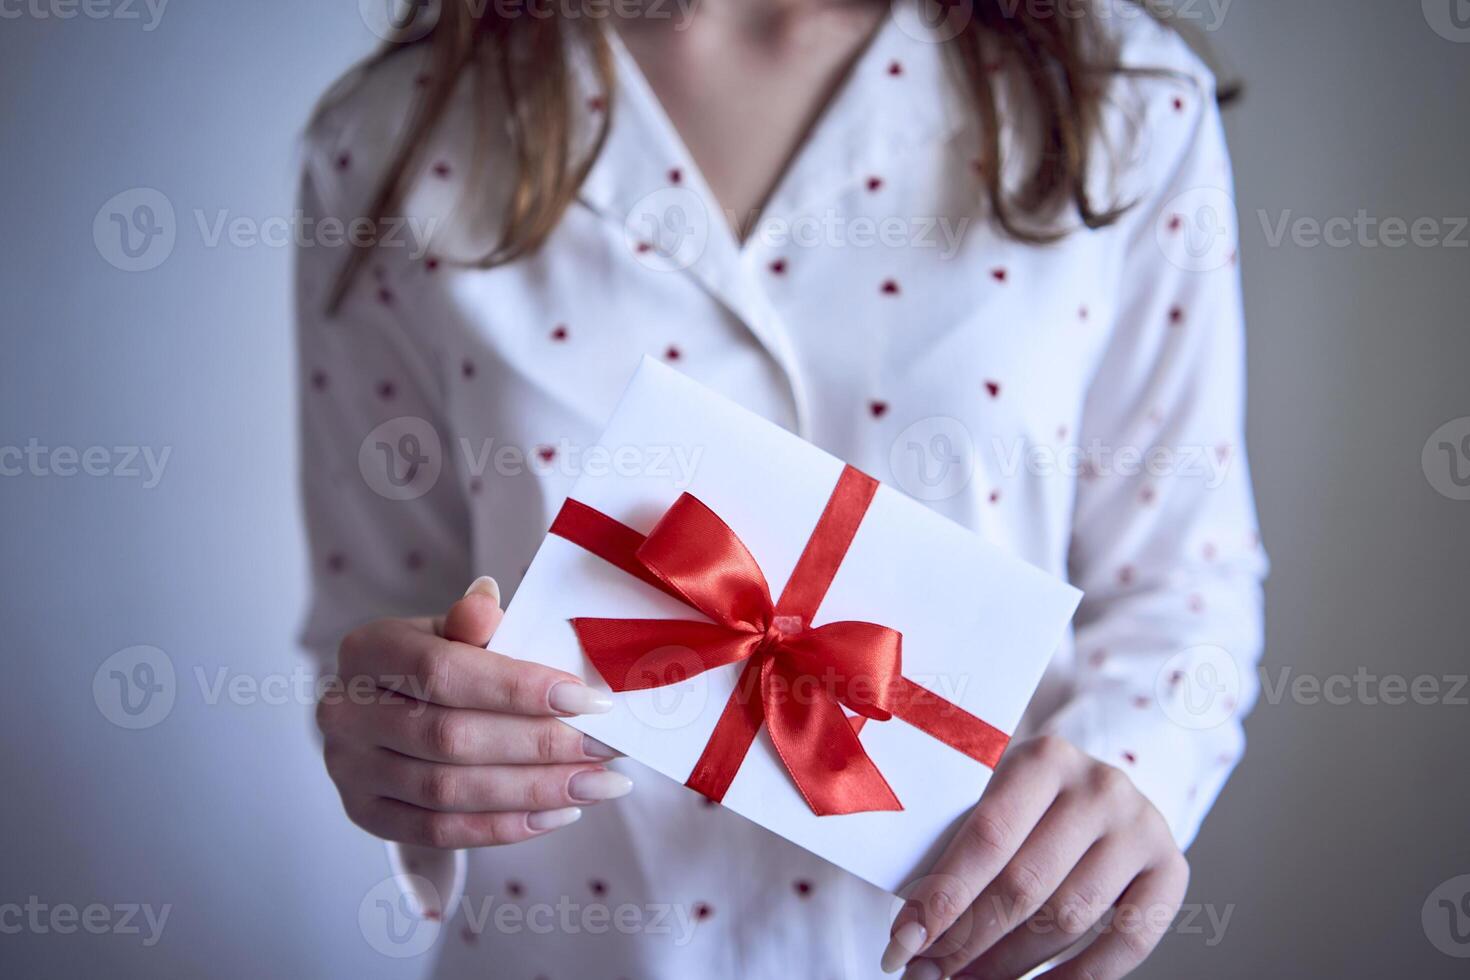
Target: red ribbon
[[796, 678]]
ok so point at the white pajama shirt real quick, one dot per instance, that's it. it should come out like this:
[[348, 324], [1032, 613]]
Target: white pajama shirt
[[1078, 404]]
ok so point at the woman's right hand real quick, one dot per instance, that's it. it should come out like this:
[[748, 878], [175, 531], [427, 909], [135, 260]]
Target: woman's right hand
[[435, 741]]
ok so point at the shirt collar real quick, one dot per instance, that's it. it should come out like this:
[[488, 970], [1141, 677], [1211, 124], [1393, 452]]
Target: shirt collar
[[899, 97]]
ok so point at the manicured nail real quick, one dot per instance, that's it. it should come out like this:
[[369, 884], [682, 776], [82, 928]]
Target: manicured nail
[[598, 750], [485, 585], [551, 819], [571, 698], [599, 784], [922, 970], [906, 941]]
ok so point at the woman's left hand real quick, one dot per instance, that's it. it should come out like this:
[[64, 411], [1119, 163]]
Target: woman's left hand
[[1057, 841]]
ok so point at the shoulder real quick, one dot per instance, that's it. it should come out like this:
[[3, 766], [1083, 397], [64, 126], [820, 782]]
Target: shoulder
[[1160, 111], [361, 124], [358, 125], [1146, 42]]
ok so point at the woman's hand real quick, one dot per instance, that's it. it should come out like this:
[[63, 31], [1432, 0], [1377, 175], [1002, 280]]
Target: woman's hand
[[434, 740], [1057, 841]]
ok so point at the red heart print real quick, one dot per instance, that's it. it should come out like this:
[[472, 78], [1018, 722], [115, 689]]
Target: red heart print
[[559, 332], [889, 287], [994, 388], [878, 409]]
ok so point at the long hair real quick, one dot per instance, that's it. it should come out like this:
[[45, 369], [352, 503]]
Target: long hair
[[1055, 66]]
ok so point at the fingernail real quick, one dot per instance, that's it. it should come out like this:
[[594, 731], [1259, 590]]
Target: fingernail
[[599, 784], [598, 750], [922, 970], [552, 819], [906, 941], [572, 698], [485, 585]]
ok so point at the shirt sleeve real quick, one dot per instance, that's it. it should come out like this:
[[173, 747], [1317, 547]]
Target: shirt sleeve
[[386, 519], [1165, 540]]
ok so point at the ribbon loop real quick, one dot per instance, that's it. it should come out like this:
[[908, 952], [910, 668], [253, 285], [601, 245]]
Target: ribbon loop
[[707, 565]]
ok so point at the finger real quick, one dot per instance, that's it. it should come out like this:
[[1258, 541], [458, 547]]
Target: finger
[[1083, 898], [1142, 916], [401, 657], [458, 735], [408, 824], [1069, 828], [475, 789], [474, 618], [1022, 789]]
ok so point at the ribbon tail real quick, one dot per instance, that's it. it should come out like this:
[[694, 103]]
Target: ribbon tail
[[730, 741], [639, 654], [820, 749], [948, 722]]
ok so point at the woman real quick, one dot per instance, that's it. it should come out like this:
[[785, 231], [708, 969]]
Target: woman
[[967, 255]]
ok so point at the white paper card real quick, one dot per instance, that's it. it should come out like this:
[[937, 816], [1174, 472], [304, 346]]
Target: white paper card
[[978, 623]]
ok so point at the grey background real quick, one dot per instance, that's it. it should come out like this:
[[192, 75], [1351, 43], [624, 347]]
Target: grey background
[[1324, 847]]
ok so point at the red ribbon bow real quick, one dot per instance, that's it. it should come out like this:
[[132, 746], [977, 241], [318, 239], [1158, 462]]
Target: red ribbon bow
[[802, 674]]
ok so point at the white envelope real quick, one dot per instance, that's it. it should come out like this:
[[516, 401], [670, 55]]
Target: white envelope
[[978, 624]]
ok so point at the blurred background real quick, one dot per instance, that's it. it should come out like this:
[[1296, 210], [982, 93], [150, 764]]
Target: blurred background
[[148, 499]]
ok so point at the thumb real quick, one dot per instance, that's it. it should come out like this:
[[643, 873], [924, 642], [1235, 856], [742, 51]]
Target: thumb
[[474, 618]]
